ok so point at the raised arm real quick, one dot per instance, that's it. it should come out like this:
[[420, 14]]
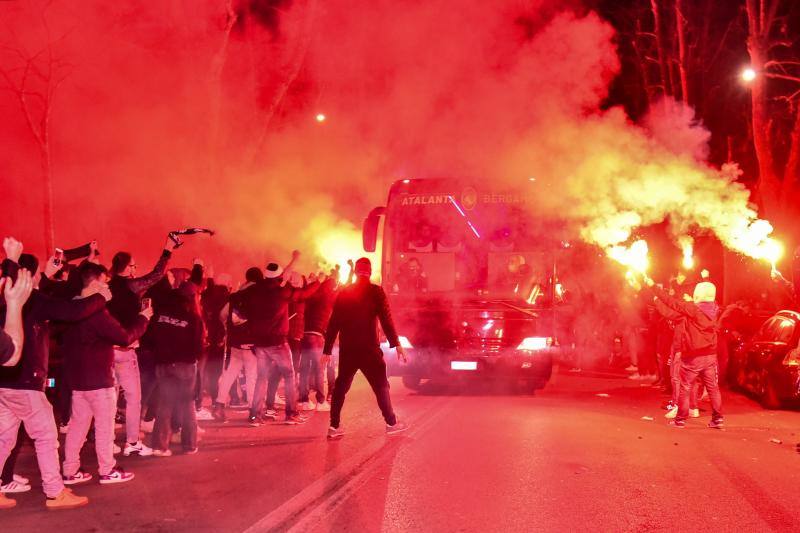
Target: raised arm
[[71, 310], [666, 311], [141, 284], [111, 330], [16, 294], [685, 309]]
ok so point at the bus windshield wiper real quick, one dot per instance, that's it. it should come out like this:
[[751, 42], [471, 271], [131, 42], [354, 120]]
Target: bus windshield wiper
[[464, 215]]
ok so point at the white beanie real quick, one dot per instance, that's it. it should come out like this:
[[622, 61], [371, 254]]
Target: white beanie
[[705, 291]]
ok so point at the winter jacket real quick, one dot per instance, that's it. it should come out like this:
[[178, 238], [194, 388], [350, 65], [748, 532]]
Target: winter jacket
[[88, 349], [126, 293], [319, 307], [239, 334], [177, 333], [266, 307], [700, 326], [212, 300], [38, 311], [356, 313]]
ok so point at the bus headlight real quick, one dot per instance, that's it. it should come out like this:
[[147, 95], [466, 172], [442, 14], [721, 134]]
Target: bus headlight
[[404, 342], [534, 344]]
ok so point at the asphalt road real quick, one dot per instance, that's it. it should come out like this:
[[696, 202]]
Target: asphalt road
[[477, 459]]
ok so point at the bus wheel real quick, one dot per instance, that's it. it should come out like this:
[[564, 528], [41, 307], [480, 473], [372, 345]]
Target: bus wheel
[[412, 382], [533, 385]]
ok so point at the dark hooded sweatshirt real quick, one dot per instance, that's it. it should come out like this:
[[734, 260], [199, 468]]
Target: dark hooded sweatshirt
[[88, 349], [700, 326]]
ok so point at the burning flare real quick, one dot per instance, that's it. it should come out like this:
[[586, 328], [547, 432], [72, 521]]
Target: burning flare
[[687, 248], [634, 256]]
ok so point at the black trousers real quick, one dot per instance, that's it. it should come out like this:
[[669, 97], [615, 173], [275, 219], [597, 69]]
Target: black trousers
[[374, 369]]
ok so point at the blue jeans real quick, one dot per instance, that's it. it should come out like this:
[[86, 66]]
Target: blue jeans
[[705, 367], [274, 363], [312, 373]]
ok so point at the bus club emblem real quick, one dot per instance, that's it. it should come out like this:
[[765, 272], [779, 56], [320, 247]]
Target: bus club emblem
[[469, 198]]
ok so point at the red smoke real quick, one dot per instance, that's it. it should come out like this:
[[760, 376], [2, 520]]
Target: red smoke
[[165, 120]]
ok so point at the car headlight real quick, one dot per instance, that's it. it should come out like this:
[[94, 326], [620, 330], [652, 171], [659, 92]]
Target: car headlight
[[533, 344], [792, 358]]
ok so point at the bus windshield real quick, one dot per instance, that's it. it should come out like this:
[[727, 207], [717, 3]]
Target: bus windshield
[[490, 245]]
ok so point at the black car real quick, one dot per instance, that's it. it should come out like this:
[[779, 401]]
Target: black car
[[768, 365]]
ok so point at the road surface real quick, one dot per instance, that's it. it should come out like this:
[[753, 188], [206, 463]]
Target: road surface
[[474, 459]]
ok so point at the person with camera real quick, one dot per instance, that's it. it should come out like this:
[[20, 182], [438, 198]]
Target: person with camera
[[125, 305], [22, 398], [88, 350]]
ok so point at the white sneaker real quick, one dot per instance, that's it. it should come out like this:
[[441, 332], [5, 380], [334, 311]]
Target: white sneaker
[[398, 427], [162, 453], [306, 406], [323, 406], [137, 447], [14, 487], [203, 414], [147, 425], [117, 475], [694, 413], [79, 477], [22, 480], [672, 413], [335, 433], [635, 376], [632, 368]]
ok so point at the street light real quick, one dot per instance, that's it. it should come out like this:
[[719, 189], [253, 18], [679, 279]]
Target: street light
[[320, 117], [748, 74]]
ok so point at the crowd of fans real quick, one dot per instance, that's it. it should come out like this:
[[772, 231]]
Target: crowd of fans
[[87, 350]]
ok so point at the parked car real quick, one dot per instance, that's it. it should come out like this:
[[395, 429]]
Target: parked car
[[768, 365]]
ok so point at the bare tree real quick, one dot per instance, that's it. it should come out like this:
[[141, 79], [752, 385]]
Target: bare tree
[[33, 81], [777, 81], [296, 55]]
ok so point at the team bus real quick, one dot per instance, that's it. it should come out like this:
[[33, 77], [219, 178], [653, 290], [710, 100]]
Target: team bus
[[473, 280]]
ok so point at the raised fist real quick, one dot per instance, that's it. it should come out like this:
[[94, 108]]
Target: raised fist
[[13, 248]]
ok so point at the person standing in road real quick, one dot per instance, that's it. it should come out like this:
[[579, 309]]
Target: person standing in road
[[178, 342], [267, 308], [125, 304], [88, 351], [699, 357], [356, 312], [22, 398], [239, 345]]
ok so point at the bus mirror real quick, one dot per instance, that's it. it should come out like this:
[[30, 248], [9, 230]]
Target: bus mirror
[[369, 234]]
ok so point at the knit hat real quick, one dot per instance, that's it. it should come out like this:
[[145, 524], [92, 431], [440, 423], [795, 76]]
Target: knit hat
[[274, 270], [705, 291], [363, 267]]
